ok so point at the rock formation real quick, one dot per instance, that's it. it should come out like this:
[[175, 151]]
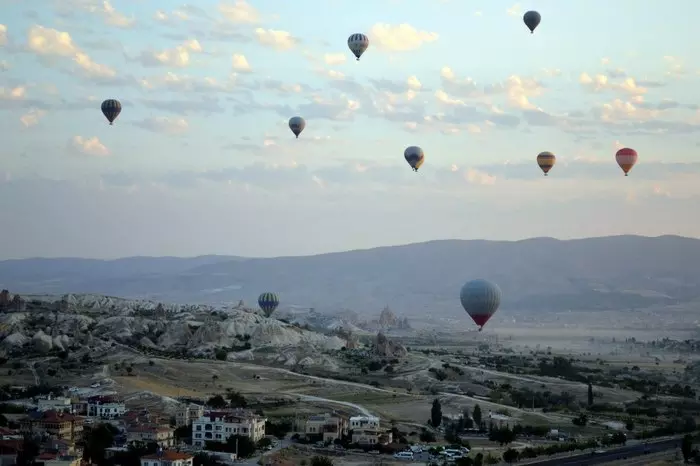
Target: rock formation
[[386, 348]]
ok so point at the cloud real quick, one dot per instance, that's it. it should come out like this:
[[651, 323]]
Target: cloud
[[32, 117], [113, 17], [240, 12], [165, 125], [15, 93], [515, 10], [240, 64], [519, 91], [164, 17], [178, 57], [400, 38], [333, 59], [675, 65], [278, 40], [179, 83], [602, 82], [48, 42], [88, 146], [3, 35]]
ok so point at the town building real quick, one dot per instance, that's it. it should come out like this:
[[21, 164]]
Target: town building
[[9, 449], [167, 458], [58, 403], [367, 431], [105, 407], [329, 426], [187, 414], [56, 459], [151, 433], [218, 426], [55, 424]]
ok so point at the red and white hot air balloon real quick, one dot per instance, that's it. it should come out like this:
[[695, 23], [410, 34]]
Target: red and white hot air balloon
[[626, 158]]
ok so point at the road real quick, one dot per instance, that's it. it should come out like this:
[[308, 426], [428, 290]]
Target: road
[[610, 455], [360, 408]]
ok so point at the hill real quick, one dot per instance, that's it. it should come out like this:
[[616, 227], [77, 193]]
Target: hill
[[608, 273]]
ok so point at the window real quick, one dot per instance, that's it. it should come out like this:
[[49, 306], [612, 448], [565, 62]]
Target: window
[[198, 427]]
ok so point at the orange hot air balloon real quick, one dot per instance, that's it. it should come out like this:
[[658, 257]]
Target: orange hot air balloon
[[626, 158], [546, 161]]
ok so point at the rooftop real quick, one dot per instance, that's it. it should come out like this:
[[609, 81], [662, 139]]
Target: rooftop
[[168, 455]]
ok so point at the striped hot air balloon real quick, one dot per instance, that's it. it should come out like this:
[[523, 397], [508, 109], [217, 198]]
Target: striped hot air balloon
[[268, 302], [415, 157], [546, 161], [111, 108], [626, 158], [481, 299], [358, 44]]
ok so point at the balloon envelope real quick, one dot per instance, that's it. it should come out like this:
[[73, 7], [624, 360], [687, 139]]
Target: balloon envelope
[[358, 43], [268, 302], [546, 161], [626, 158], [481, 299], [532, 20], [297, 125], [415, 156], [111, 108]]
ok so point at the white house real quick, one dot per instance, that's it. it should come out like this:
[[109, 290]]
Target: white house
[[218, 426], [366, 430], [167, 458], [105, 407], [59, 403]]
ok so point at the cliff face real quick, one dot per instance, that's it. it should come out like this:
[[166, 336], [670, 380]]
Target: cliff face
[[386, 348], [388, 320]]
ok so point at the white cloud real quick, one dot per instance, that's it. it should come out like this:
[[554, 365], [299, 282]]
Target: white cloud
[[32, 117], [240, 12], [278, 40], [518, 90], [113, 17], [515, 10], [15, 93], [601, 82], [334, 58], [163, 17], [3, 35], [89, 146], [240, 64], [177, 82], [179, 57], [400, 38], [474, 176], [413, 83], [46, 41], [171, 126]]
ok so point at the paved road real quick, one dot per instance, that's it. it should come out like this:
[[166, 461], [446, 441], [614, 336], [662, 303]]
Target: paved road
[[614, 454]]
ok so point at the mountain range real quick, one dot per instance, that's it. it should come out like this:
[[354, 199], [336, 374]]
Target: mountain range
[[607, 273]]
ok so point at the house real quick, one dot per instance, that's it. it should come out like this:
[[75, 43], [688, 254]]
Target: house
[[51, 403], [9, 449], [9, 434], [367, 431], [218, 426], [105, 407], [167, 458], [151, 433], [61, 447], [187, 414], [55, 424], [330, 426], [56, 459]]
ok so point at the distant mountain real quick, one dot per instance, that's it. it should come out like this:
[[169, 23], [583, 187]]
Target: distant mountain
[[621, 272]]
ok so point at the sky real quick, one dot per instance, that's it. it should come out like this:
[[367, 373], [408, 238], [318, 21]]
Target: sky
[[201, 160]]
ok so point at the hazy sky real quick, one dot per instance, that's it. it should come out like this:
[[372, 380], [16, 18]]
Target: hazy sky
[[201, 160]]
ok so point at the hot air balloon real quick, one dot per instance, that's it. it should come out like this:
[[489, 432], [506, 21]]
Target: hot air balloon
[[626, 158], [358, 43], [546, 161], [268, 302], [414, 156], [111, 108], [297, 125], [532, 20], [480, 298]]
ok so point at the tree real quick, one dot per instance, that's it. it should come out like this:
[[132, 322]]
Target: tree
[[30, 450], [476, 415], [629, 425], [581, 420], [427, 436], [687, 447], [203, 459], [236, 399], [129, 370], [278, 429], [183, 432], [466, 461], [479, 459], [590, 394], [98, 440], [510, 456], [436, 413], [321, 461], [217, 402]]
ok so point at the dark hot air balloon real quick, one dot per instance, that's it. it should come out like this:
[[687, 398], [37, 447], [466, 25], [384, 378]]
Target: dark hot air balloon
[[532, 20], [481, 299], [415, 157], [111, 108], [626, 158], [546, 161], [297, 125], [268, 302]]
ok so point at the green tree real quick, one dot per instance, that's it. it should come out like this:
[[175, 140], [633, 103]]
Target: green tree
[[321, 461], [479, 459], [476, 415], [436, 413], [204, 459], [687, 447], [183, 433], [510, 456], [590, 394], [30, 450], [98, 440], [217, 402], [629, 425]]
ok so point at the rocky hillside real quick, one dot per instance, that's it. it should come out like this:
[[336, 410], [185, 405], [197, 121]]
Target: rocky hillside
[[51, 324]]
